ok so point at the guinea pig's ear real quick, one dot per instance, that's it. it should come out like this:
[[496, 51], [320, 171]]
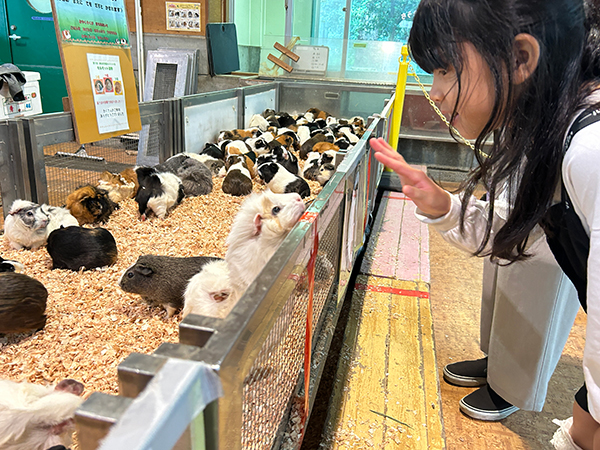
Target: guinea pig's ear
[[144, 270], [257, 224]]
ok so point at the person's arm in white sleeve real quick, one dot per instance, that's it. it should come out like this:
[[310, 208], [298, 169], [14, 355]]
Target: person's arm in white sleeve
[[581, 175]]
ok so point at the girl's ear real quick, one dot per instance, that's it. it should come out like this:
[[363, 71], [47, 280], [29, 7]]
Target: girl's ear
[[527, 54]]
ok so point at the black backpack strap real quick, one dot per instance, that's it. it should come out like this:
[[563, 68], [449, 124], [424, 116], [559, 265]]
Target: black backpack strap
[[587, 117]]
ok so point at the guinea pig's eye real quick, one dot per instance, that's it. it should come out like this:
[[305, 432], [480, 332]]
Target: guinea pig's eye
[[275, 210], [129, 274], [30, 213]]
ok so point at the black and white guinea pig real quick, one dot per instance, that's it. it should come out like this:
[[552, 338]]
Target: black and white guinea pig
[[158, 192], [36, 417], [287, 159], [258, 145], [213, 164], [312, 166], [326, 171], [161, 280], [261, 224], [89, 204], [238, 180], [78, 248], [213, 150], [6, 265], [196, 178], [303, 134], [280, 181], [22, 304], [29, 224]]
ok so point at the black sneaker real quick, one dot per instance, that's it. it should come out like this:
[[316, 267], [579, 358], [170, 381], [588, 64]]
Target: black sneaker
[[485, 404], [467, 373]]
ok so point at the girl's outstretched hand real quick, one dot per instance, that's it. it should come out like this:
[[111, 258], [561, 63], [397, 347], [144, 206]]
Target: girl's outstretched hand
[[428, 196]]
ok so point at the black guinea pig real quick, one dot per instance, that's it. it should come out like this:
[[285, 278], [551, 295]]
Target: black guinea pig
[[77, 247], [161, 280], [22, 303]]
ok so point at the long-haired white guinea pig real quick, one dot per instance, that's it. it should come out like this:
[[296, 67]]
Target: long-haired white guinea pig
[[261, 224], [34, 417]]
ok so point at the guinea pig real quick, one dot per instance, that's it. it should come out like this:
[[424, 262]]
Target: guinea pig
[[237, 147], [318, 114], [35, 417], [75, 248], [280, 181], [258, 145], [307, 147], [342, 142], [22, 304], [303, 134], [259, 122], [196, 178], [89, 204], [213, 150], [238, 180], [259, 227], [349, 133], [322, 147], [161, 280], [326, 171], [213, 164], [6, 265], [209, 292], [158, 192], [119, 186], [29, 224], [287, 159], [312, 166]]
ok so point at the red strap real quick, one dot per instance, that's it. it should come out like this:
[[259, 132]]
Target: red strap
[[309, 316]]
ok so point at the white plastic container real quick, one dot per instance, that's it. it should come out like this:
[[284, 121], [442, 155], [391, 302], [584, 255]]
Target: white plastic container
[[28, 107]]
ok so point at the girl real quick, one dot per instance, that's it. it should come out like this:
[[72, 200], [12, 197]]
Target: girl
[[527, 71]]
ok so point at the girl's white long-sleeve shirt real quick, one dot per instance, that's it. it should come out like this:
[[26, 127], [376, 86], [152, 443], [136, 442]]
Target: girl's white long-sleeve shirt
[[581, 177]]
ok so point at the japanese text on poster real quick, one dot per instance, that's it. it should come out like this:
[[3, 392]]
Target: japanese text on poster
[[183, 16], [109, 98], [100, 22]]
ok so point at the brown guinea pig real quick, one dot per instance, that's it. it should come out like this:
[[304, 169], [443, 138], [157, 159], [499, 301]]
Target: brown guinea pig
[[90, 205], [119, 186], [22, 303], [322, 147]]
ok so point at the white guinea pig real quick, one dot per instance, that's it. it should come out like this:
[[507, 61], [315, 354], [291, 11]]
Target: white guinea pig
[[261, 224], [34, 417], [29, 224]]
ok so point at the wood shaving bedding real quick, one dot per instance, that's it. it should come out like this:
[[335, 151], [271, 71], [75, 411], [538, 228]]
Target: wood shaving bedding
[[92, 324]]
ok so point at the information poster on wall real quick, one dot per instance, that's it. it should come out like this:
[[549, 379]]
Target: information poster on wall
[[93, 37], [184, 16], [109, 98], [93, 22]]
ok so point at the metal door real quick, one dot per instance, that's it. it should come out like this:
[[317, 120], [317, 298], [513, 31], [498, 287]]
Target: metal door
[[34, 48]]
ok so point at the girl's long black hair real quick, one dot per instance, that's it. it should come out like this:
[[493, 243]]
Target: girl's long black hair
[[529, 120]]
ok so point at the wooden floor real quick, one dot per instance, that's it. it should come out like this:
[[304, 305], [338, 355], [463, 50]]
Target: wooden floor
[[376, 410]]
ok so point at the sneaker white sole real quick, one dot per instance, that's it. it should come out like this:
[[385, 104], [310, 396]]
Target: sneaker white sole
[[482, 414], [459, 380]]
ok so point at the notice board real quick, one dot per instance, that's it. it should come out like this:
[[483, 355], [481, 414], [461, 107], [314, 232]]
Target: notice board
[[93, 39], [178, 18]]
